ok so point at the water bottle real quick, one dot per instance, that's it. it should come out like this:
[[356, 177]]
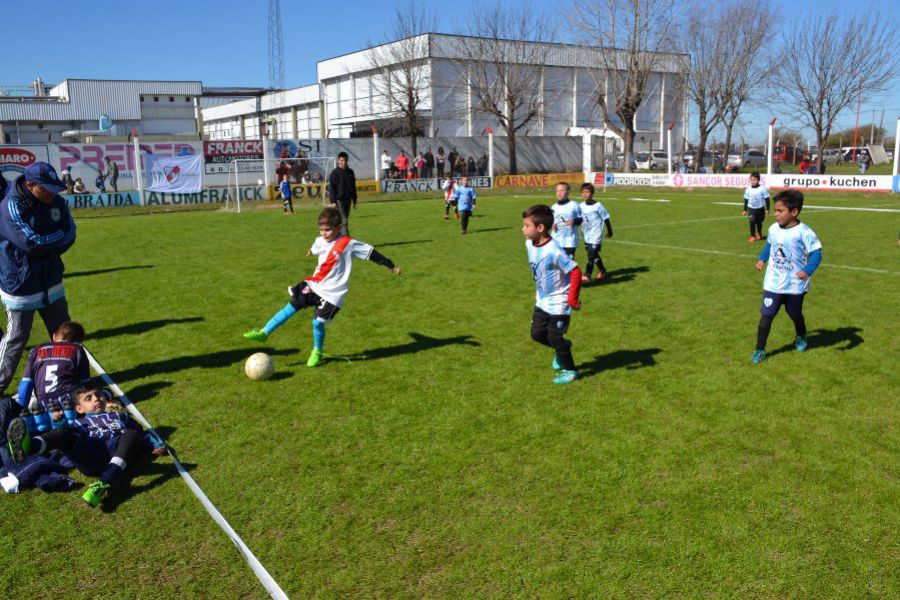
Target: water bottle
[[41, 418], [26, 416], [69, 411]]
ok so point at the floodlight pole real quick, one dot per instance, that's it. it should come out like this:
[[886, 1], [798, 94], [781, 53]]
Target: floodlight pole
[[769, 148], [138, 173], [897, 148], [669, 147]]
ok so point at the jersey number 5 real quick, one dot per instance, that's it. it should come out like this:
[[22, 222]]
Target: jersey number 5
[[51, 378]]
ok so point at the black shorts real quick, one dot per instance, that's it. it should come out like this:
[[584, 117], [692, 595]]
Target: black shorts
[[757, 215], [771, 302], [302, 297], [452, 202]]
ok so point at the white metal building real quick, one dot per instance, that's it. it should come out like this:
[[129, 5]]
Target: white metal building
[[344, 102], [75, 109]]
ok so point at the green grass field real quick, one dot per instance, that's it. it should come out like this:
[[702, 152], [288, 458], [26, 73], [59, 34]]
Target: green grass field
[[440, 461]]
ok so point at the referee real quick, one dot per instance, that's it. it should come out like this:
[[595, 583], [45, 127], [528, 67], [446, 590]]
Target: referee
[[342, 190]]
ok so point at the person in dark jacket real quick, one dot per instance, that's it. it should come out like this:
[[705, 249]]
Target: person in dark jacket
[[36, 228], [342, 190], [112, 172]]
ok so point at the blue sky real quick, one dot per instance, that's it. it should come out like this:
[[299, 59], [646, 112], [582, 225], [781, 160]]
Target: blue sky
[[223, 42]]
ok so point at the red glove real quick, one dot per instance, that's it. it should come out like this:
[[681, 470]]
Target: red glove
[[574, 288]]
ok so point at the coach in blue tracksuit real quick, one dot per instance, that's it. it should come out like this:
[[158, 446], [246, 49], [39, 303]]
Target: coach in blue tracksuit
[[36, 228]]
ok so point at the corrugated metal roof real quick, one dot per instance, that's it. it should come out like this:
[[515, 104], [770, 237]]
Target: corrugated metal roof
[[86, 99], [304, 95]]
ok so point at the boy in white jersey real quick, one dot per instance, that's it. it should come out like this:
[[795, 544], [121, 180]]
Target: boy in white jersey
[[326, 287], [793, 252], [558, 281], [756, 206], [449, 187], [566, 219], [593, 218]]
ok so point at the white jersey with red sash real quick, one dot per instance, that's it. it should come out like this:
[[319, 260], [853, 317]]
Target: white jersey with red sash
[[331, 280]]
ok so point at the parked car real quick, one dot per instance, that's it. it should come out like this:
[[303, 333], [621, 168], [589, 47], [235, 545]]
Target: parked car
[[654, 160], [831, 155], [750, 158], [787, 154], [690, 157], [850, 156]]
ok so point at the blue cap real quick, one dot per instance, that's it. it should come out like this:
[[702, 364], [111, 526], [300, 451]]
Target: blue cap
[[44, 175]]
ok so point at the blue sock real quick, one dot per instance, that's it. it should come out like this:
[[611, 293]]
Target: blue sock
[[318, 334], [280, 318]]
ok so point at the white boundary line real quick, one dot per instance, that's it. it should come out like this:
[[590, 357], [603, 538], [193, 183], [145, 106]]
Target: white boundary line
[[805, 206], [723, 253], [265, 579]]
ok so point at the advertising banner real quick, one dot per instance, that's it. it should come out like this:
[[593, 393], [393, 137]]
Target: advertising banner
[[857, 183], [14, 159], [538, 180], [102, 200], [651, 179], [207, 196], [173, 174], [299, 191], [86, 160], [897, 184], [393, 186], [218, 156]]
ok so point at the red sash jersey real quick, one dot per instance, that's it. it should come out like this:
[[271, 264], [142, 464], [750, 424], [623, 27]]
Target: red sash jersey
[[331, 279]]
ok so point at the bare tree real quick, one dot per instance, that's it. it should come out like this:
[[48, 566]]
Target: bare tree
[[829, 59], [503, 61], [747, 28], [634, 38], [400, 78], [704, 38]]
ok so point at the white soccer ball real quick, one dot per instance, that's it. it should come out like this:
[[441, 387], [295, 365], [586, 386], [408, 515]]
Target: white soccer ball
[[259, 366]]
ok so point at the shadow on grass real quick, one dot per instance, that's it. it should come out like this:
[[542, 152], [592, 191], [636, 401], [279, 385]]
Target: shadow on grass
[[620, 359], [846, 338], [402, 243], [489, 229], [420, 342], [101, 271], [618, 276], [123, 489], [140, 327], [146, 391], [212, 360]]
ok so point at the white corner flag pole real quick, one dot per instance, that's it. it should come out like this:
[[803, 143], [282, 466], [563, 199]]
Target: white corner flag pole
[[669, 147], [265, 579], [138, 173]]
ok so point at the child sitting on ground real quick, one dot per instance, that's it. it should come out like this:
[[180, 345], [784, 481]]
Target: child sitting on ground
[[99, 443]]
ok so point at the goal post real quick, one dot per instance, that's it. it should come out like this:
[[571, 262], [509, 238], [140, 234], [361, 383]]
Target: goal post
[[307, 176]]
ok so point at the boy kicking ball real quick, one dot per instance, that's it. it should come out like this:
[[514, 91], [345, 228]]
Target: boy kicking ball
[[326, 287], [793, 252], [558, 282]]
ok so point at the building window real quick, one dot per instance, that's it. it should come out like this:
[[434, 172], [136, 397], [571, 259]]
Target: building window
[[156, 98], [187, 98], [142, 98], [171, 98]]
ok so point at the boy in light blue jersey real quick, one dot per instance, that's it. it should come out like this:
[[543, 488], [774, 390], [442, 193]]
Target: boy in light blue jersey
[[566, 219], [285, 188], [593, 218], [558, 281], [793, 252], [465, 202], [756, 206]]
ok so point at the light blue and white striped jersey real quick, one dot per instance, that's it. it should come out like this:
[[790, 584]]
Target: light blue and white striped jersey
[[756, 196], [465, 197], [550, 266], [565, 234], [592, 226], [789, 252]]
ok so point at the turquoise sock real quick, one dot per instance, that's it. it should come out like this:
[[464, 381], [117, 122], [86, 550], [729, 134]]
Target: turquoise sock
[[318, 334], [280, 318]]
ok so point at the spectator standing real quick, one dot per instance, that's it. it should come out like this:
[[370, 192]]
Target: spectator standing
[[36, 228], [863, 162], [112, 173], [342, 190], [67, 181], [385, 165], [429, 164], [420, 165], [459, 166], [470, 167], [804, 165], [451, 159], [440, 161], [402, 164], [99, 181], [483, 164]]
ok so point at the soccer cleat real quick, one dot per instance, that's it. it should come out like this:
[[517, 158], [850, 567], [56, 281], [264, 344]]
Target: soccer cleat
[[257, 335], [758, 356], [18, 439], [556, 365], [758, 237], [315, 357], [565, 377], [95, 492], [751, 239], [446, 217], [457, 216], [800, 343], [601, 275], [585, 278]]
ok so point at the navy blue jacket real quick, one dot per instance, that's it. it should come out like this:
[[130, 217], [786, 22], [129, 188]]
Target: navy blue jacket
[[33, 236]]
